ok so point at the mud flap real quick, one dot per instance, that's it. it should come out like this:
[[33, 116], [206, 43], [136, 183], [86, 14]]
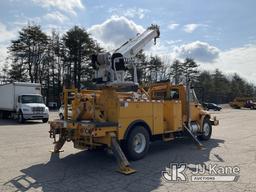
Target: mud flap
[[124, 165]]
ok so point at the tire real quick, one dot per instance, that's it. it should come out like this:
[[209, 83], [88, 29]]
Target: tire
[[61, 116], [207, 130], [20, 117], [45, 120], [137, 143]]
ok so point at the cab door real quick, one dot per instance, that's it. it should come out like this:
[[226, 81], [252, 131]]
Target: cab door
[[195, 107]]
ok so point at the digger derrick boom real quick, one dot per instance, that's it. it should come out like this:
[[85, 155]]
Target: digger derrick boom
[[110, 68]]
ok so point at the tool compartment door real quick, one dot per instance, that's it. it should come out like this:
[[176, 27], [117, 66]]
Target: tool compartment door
[[173, 115], [158, 118], [132, 112]]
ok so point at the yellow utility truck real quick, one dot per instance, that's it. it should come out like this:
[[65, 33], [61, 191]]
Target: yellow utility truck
[[126, 122], [246, 102]]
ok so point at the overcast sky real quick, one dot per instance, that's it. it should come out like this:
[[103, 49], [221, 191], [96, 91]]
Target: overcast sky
[[217, 34]]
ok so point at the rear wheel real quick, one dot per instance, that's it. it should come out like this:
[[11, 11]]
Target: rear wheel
[[137, 143], [207, 130]]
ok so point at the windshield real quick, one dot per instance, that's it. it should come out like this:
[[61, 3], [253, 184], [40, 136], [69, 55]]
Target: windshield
[[32, 99]]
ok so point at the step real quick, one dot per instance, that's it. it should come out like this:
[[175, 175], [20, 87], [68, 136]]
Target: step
[[167, 136]]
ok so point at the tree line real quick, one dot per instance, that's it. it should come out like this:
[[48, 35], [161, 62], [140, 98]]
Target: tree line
[[53, 59], [215, 86]]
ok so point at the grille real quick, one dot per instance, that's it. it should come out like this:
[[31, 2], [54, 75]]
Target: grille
[[38, 109]]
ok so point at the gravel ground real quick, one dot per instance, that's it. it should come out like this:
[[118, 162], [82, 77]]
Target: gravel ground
[[27, 165]]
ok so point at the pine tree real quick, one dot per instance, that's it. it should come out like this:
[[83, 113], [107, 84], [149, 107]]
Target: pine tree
[[190, 69], [176, 71], [78, 46], [154, 67], [17, 72], [141, 64], [28, 52]]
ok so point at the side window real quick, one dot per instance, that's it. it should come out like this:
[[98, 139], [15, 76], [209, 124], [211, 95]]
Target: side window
[[18, 99], [160, 94], [174, 94]]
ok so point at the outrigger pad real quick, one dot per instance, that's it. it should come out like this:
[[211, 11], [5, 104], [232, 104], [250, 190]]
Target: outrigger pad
[[126, 170], [59, 151]]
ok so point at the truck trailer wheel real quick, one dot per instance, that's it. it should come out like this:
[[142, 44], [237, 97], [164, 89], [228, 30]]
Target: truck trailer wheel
[[137, 143], [207, 130], [20, 118], [45, 120]]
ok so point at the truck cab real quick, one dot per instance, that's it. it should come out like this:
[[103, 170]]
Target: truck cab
[[31, 106], [175, 94]]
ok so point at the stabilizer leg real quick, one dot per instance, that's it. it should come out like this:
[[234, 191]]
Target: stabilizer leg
[[124, 165], [58, 145], [194, 138]]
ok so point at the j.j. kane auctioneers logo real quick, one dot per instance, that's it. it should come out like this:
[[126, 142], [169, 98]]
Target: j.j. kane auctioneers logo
[[206, 173]]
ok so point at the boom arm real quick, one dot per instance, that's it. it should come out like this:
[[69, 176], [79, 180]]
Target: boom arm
[[110, 68], [133, 46]]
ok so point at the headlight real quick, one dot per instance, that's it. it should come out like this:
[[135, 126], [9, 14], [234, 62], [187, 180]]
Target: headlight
[[46, 109], [25, 109]]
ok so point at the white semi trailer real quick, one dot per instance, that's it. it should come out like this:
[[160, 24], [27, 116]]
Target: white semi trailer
[[23, 101]]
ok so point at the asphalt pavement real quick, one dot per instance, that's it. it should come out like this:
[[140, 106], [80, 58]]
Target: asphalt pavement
[[27, 165]]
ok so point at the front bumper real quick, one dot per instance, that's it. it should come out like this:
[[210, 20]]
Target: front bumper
[[36, 116]]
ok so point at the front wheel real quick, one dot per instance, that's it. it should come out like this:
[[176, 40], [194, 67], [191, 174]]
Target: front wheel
[[207, 130], [20, 118], [45, 120], [61, 116], [137, 143]]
